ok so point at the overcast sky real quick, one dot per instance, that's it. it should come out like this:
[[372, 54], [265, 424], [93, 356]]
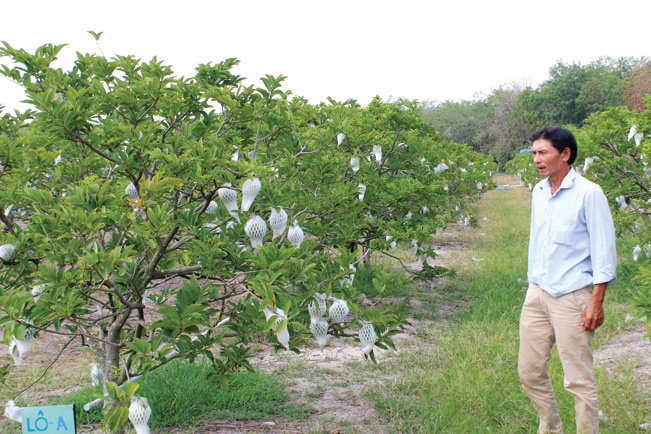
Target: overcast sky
[[425, 50]]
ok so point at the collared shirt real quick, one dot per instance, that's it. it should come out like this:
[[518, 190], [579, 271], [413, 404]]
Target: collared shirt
[[572, 238]]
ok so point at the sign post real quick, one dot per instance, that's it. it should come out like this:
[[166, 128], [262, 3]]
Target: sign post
[[53, 419]]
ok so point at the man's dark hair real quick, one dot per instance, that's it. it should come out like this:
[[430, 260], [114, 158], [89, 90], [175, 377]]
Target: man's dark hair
[[560, 137]]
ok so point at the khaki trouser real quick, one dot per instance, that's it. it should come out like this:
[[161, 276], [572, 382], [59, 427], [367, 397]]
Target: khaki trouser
[[545, 320]]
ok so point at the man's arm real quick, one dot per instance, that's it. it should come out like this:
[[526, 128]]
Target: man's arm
[[593, 315]]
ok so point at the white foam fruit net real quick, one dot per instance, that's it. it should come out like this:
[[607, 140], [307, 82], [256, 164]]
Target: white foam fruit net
[[228, 197], [361, 188], [255, 229], [139, 413], [338, 311], [282, 335], [131, 192], [7, 251], [317, 307], [377, 151], [295, 234], [355, 163], [212, 207], [250, 190], [367, 337], [320, 331], [278, 221]]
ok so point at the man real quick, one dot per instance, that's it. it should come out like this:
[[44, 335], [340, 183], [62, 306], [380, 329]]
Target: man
[[571, 260]]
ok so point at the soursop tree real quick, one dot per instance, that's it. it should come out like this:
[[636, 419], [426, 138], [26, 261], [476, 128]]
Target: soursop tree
[[133, 200], [617, 152]]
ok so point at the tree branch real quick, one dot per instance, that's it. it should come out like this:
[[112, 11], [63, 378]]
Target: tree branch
[[180, 243], [86, 143], [177, 271], [6, 221]]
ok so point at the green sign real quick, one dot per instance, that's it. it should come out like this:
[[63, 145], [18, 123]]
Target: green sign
[[59, 419]]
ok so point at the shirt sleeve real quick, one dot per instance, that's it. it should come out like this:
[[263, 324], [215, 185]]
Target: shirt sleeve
[[603, 252]]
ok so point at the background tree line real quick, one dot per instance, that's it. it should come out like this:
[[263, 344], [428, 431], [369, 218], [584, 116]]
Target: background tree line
[[498, 124]]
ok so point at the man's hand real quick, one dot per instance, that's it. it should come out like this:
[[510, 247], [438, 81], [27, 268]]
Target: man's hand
[[593, 314]]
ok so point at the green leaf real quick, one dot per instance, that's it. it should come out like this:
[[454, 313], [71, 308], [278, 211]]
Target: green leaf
[[139, 346]]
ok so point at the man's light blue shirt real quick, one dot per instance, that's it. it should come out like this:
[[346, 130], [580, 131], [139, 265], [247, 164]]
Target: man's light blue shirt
[[572, 238]]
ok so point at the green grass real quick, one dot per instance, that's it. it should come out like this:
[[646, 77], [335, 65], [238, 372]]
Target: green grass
[[182, 394], [469, 382]]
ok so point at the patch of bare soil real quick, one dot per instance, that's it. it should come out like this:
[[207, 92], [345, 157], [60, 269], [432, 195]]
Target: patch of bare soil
[[61, 378], [629, 350]]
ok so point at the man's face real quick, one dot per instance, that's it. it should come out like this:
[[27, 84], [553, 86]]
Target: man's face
[[548, 160]]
